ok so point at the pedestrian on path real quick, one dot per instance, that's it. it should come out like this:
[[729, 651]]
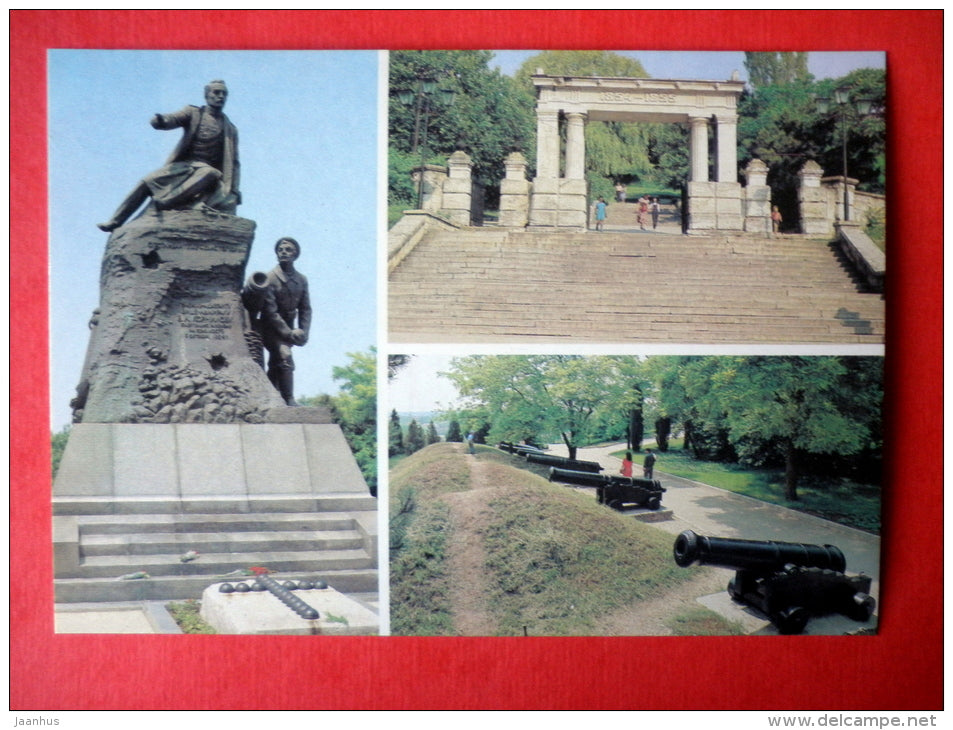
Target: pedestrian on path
[[648, 464], [626, 469], [620, 192], [775, 219], [654, 207], [643, 211], [470, 447], [600, 213]]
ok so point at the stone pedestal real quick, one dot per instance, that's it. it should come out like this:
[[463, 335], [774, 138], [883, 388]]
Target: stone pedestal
[[431, 192], [559, 203], [514, 193], [714, 206], [190, 467], [813, 201], [757, 201], [168, 344], [458, 189]]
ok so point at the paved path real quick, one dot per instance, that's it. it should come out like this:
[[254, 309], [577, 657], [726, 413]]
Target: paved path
[[711, 511]]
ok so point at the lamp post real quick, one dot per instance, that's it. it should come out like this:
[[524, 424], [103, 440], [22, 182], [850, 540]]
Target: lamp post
[[845, 108], [425, 95]]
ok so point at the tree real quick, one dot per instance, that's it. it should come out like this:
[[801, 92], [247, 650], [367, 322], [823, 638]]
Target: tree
[[663, 429], [58, 446], [490, 115], [866, 134], [453, 431], [396, 435], [791, 405], [636, 419], [786, 67], [538, 396], [414, 438], [580, 63], [356, 405], [432, 436], [395, 363], [781, 123]]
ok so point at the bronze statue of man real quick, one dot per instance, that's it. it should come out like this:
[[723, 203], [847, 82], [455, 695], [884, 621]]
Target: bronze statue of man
[[280, 312], [203, 170]]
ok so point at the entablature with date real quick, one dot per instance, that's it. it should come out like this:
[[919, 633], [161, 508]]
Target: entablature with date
[[624, 99]]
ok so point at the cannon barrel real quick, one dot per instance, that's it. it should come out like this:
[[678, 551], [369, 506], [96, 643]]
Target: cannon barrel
[[253, 293], [518, 449], [563, 462], [766, 555], [582, 478]]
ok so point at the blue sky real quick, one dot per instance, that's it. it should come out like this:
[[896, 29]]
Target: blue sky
[[308, 140]]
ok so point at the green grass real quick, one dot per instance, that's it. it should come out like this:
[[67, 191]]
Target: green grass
[[840, 500], [634, 191], [395, 212], [699, 621], [186, 615], [876, 228], [558, 562], [419, 529]]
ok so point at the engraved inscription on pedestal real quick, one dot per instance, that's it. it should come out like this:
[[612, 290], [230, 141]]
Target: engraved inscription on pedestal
[[169, 342]]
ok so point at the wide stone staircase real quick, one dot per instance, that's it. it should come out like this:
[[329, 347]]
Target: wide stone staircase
[[627, 285], [336, 544]]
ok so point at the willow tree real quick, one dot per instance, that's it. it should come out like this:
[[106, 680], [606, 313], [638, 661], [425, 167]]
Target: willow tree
[[614, 150]]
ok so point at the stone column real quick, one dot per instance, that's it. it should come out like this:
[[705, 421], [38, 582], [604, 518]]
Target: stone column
[[699, 149], [458, 189], [575, 146], [812, 200], [514, 193], [547, 145], [727, 167], [757, 199]]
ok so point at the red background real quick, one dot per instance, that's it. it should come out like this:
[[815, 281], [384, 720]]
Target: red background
[[901, 668]]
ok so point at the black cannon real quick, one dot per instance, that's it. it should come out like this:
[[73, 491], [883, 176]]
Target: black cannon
[[614, 491], [788, 582], [519, 449], [563, 462]]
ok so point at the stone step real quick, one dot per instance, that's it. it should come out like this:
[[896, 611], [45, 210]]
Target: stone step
[[157, 543], [215, 564], [92, 525], [780, 311], [211, 504], [180, 587], [651, 286], [656, 328]]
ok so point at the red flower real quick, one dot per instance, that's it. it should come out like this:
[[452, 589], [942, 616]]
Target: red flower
[[259, 571]]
